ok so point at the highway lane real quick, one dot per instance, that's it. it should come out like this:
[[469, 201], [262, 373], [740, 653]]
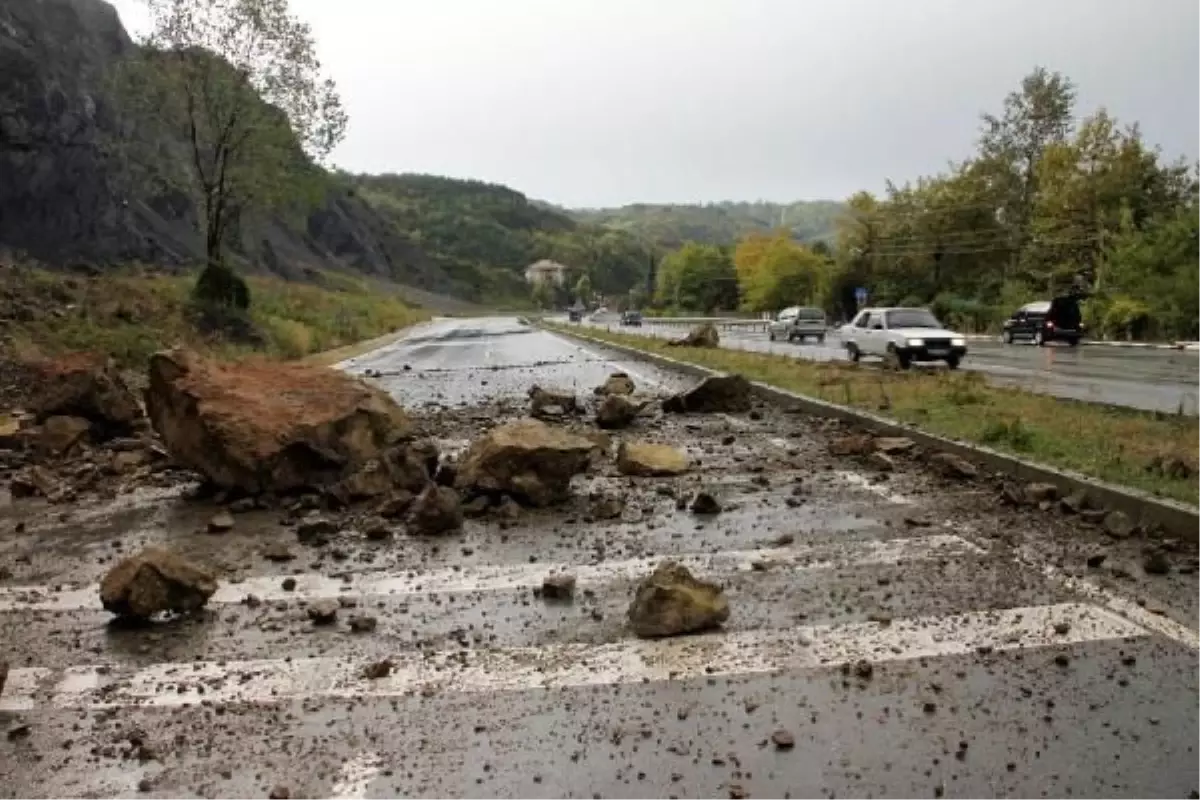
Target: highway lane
[[1150, 379], [903, 637]]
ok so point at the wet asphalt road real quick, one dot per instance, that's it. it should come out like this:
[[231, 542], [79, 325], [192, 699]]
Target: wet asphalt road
[[913, 638], [1145, 378]]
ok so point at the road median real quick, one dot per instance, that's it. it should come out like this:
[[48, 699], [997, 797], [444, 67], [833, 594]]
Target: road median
[[1143, 463]]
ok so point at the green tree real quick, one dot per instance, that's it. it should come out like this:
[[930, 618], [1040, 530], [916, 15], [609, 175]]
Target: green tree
[[543, 295], [698, 277], [241, 79], [583, 289]]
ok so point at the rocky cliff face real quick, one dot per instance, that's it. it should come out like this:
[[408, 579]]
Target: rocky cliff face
[[66, 195]]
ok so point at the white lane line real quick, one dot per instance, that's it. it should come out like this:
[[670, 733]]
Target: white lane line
[[355, 776], [860, 481], [1125, 607], [637, 376], [524, 576], [812, 647]]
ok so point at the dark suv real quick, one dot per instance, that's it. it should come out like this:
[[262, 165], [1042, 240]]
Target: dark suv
[[633, 318], [1057, 320]]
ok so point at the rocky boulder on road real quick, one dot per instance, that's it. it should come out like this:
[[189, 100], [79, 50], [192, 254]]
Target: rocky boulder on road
[[717, 394], [953, 467], [704, 335], [153, 581], [616, 411], [266, 427], [545, 404], [618, 383], [61, 433], [646, 459], [88, 386], [436, 510], [671, 602], [527, 459]]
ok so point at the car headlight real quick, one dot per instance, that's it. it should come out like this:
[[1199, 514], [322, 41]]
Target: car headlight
[[958, 341], [916, 342]]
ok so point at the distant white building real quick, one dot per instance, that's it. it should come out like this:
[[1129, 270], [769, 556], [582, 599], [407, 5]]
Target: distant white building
[[546, 271]]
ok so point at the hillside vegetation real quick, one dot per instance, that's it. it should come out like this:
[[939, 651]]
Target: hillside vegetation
[[670, 226]]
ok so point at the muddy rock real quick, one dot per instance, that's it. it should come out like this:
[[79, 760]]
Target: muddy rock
[[477, 507], [276, 551], [268, 427], [894, 445], [153, 581], [128, 460], [35, 481], [559, 586], [1076, 502], [316, 529], [953, 467], [1118, 525], [616, 411], [436, 510], [363, 624], [671, 602], [617, 384], [1035, 493], [548, 405], [61, 433], [220, 522], [703, 502], [372, 479], [881, 461], [1156, 562], [323, 612], [704, 335], [645, 459], [717, 394], [528, 459], [856, 445], [395, 505], [606, 506], [88, 386]]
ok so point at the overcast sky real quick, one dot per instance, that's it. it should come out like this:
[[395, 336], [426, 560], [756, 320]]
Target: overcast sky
[[606, 102]]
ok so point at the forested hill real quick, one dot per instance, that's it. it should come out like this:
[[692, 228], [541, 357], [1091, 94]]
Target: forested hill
[[718, 223]]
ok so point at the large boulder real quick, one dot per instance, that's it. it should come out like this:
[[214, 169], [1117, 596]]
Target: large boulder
[[672, 602], [646, 459], [153, 581], [268, 427], [729, 394], [527, 459], [90, 387], [704, 335], [61, 433], [616, 411]]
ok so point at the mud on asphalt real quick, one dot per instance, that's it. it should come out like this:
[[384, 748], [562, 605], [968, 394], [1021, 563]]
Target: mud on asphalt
[[782, 493]]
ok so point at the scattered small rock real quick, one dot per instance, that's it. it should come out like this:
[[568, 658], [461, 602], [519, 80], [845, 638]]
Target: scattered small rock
[[616, 411], [894, 445], [617, 384], [649, 460], [606, 506], [1095, 560], [1118, 525], [435, 511], [783, 540], [1075, 502], [856, 445], [323, 612], [559, 586], [705, 503], [363, 624], [378, 669], [881, 461], [376, 530], [316, 529], [279, 793], [276, 551], [221, 522], [1062, 628], [948, 465], [1035, 493], [288, 584], [783, 739], [153, 581], [1156, 562]]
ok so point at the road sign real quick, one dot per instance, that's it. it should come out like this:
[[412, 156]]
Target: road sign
[[860, 295]]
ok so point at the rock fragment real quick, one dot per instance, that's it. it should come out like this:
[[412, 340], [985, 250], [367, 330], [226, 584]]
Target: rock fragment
[[616, 411], [717, 394], [528, 459], [559, 586], [618, 383], [953, 467], [704, 335], [705, 503], [436, 510], [154, 581], [671, 602], [220, 522], [646, 459]]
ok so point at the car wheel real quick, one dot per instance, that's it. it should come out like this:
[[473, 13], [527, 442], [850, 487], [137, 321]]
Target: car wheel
[[1006, 337], [952, 362], [852, 351], [898, 359], [1073, 342], [1039, 339]]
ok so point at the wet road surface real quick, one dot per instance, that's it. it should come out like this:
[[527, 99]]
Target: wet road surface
[[911, 637], [1150, 379]]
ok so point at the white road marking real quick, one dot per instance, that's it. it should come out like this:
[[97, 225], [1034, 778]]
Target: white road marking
[[355, 776], [637, 376], [815, 647], [861, 481], [509, 577]]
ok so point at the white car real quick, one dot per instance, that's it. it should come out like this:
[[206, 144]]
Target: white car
[[904, 335]]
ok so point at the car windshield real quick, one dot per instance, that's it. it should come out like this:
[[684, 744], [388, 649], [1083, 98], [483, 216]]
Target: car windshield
[[912, 318], [810, 314]]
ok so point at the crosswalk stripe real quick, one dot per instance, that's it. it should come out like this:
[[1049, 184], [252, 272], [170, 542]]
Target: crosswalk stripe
[[518, 576], [813, 647]]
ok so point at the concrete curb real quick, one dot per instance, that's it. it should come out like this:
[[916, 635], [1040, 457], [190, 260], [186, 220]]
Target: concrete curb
[[1177, 519]]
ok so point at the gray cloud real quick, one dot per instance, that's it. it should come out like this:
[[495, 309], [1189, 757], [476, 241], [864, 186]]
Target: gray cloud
[[602, 102]]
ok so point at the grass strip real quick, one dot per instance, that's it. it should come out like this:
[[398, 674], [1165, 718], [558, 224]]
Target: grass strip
[[1145, 450]]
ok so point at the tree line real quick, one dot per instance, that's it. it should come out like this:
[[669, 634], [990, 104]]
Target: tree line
[[1046, 205]]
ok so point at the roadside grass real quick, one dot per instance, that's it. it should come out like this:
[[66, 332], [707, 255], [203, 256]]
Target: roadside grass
[[131, 313], [1119, 445]]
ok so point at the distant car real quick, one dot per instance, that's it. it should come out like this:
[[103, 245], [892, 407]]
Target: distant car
[[905, 334], [1057, 320], [575, 315], [633, 318], [798, 323]]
